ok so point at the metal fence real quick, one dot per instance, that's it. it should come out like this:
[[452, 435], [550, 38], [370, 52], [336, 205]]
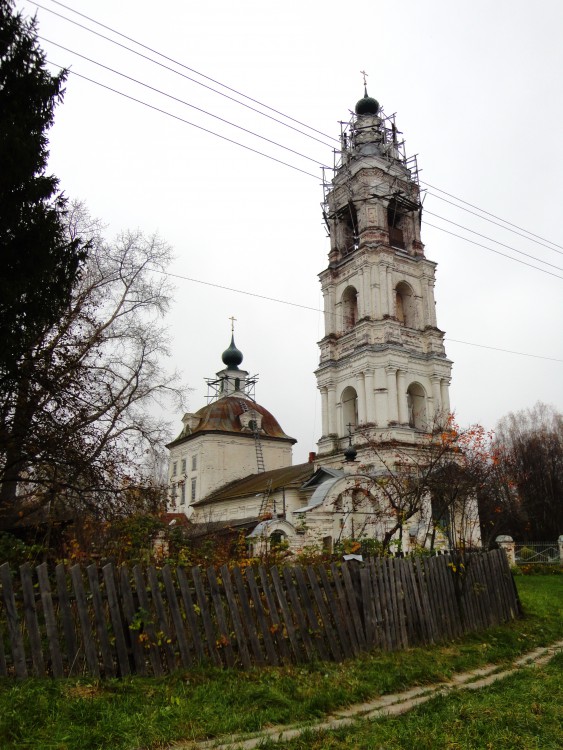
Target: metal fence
[[536, 553]]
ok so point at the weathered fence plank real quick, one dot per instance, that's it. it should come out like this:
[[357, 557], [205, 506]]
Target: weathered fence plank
[[146, 622], [277, 625], [235, 617], [16, 640], [249, 623], [164, 635], [50, 620], [30, 617], [191, 618], [179, 627], [133, 628], [116, 621], [71, 650], [90, 651], [324, 614], [100, 620]]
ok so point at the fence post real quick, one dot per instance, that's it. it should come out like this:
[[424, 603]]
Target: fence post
[[507, 544], [560, 543]]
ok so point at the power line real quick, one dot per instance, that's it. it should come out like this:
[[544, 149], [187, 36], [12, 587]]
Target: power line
[[497, 242], [187, 122], [182, 101], [183, 75], [492, 250], [318, 310], [176, 62], [490, 214]]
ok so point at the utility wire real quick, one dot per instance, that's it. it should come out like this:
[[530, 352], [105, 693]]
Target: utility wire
[[497, 242], [492, 250], [287, 164], [332, 138], [317, 310], [187, 122], [526, 237], [182, 101], [489, 214], [183, 75]]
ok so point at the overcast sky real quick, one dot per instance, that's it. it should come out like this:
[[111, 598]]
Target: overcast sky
[[478, 96]]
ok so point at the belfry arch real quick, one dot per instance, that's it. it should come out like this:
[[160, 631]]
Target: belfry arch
[[349, 401], [405, 305], [349, 308], [417, 406]]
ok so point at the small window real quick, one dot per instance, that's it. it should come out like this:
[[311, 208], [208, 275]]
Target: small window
[[174, 468], [194, 484], [183, 466], [194, 463], [183, 494]]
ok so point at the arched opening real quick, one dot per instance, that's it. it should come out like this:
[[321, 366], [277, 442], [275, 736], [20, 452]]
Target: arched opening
[[349, 401], [416, 401], [349, 308], [277, 538], [395, 220], [350, 236], [405, 309]]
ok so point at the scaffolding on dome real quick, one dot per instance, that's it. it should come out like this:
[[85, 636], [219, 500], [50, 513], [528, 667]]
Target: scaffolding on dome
[[216, 387]]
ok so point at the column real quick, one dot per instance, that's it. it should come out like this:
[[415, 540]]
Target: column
[[368, 305], [359, 284], [361, 391], [324, 410], [392, 413], [507, 544], [402, 397], [381, 398], [370, 396], [390, 295], [436, 395], [331, 405], [383, 295], [445, 393]]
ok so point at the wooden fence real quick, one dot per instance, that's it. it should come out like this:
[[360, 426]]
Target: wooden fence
[[156, 621]]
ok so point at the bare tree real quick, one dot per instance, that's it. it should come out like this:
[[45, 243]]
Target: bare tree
[[85, 409]]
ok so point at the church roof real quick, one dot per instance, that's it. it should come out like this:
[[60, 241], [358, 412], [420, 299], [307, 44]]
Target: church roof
[[267, 481], [224, 414]]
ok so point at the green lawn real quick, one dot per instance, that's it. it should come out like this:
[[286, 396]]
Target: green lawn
[[148, 713]]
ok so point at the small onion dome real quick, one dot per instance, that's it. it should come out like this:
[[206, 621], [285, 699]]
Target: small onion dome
[[367, 105], [350, 453], [232, 357]]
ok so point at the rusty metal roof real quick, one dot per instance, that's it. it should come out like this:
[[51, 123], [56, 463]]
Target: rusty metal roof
[[267, 481], [223, 416]]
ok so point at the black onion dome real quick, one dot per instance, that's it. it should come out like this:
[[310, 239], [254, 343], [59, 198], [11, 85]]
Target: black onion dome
[[367, 105], [232, 357]]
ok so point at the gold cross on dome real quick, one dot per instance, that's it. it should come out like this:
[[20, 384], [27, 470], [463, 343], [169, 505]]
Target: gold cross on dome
[[363, 72], [232, 319]]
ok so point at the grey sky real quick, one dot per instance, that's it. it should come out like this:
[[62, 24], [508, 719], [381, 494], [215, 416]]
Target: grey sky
[[477, 91]]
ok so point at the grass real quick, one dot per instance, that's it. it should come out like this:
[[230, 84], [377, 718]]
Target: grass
[[207, 702]]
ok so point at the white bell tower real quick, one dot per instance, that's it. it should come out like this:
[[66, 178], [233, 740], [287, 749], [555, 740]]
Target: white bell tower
[[383, 368]]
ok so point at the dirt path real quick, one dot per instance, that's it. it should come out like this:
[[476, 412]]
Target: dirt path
[[386, 705]]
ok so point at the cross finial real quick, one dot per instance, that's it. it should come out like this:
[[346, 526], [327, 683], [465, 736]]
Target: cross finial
[[232, 319], [363, 72]]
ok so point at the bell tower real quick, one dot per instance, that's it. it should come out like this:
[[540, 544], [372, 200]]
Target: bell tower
[[383, 368]]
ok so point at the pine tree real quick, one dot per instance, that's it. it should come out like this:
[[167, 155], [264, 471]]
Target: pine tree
[[39, 264]]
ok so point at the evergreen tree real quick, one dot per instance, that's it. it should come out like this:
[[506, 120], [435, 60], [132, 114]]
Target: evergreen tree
[[39, 263]]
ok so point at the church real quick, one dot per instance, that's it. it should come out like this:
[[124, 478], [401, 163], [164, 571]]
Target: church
[[383, 378]]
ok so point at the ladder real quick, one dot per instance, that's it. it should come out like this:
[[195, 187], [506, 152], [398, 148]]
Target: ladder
[[257, 441], [265, 500]]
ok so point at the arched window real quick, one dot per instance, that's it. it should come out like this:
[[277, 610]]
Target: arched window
[[395, 221], [349, 401], [416, 400], [349, 308], [405, 307], [277, 538]]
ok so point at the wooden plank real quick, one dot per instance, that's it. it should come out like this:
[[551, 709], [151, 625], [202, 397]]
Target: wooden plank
[[368, 606], [225, 637], [409, 604], [317, 633], [164, 634], [256, 624], [100, 620], [397, 596], [206, 616], [426, 607], [286, 613], [116, 620], [355, 625], [324, 613], [379, 588], [31, 621], [379, 632], [391, 604], [16, 640], [438, 593], [3, 665], [248, 621], [179, 628], [129, 612], [420, 628], [147, 623], [280, 639], [335, 609], [71, 651], [449, 594], [233, 608], [302, 626], [191, 618], [84, 619], [50, 621]]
